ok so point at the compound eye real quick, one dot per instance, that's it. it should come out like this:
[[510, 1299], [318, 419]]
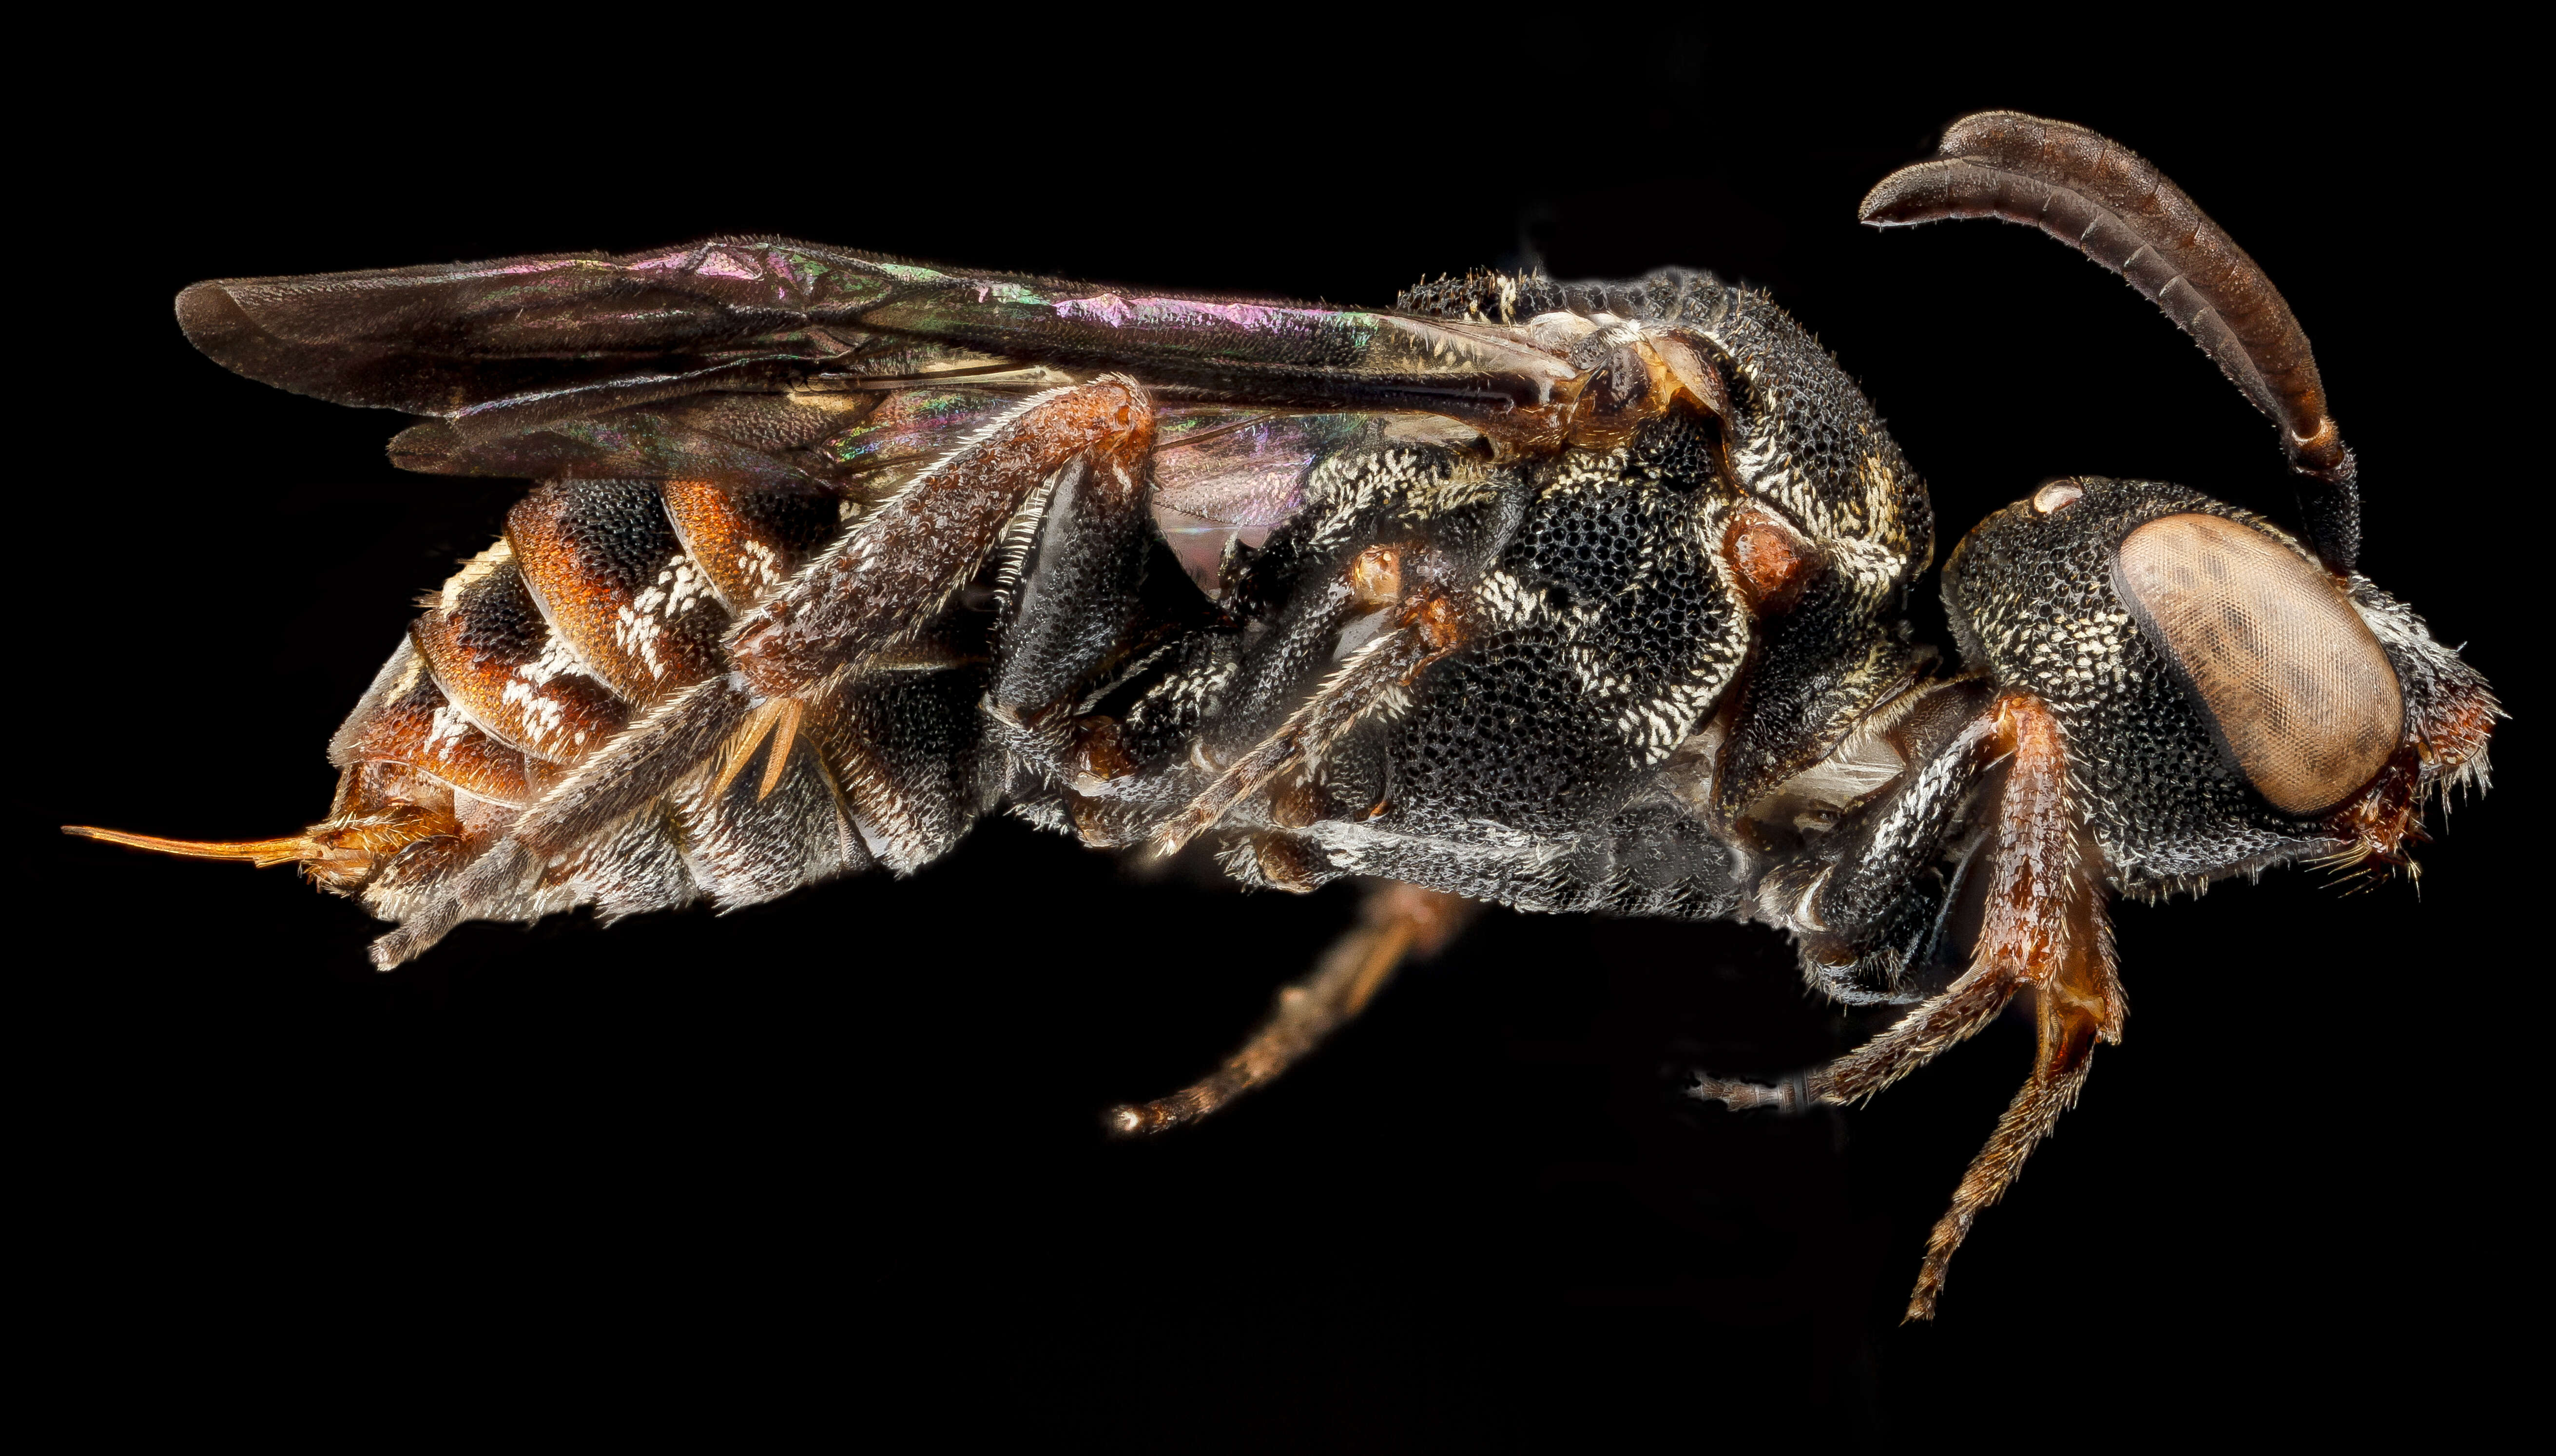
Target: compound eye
[[2300, 690]]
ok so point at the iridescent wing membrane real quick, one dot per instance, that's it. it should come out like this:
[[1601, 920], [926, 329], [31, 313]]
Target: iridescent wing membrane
[[499, 350]]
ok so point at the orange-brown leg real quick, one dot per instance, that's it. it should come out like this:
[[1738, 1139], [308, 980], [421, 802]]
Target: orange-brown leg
[[2044, 930], [2074, 1011], [1400, 921]]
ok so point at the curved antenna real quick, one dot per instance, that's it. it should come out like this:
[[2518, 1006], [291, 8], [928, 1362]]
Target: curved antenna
[[2109, 204]]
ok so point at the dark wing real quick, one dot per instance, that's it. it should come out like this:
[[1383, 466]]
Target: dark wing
[[768, 363], [542, 338], [771, 363]]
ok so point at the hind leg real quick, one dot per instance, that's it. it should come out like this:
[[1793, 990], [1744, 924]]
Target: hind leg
[[728, 739]]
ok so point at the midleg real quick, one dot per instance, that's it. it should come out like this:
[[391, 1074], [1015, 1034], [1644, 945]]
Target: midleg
[[1425, 630], [1409, 594], [1399, 920], [2039, 879]]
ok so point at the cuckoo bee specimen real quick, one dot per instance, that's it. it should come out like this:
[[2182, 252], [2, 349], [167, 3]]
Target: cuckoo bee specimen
[[1561, 596]]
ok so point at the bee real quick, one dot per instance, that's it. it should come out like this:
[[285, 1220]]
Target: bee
[[1559, 596]]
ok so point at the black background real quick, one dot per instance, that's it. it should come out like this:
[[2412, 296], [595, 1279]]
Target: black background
[[836, 1160]]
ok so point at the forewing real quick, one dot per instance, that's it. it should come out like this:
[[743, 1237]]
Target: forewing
[[554, 337], [768, 363]]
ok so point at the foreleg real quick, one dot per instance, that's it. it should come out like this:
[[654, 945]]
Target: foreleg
[[2044, 929], [2076, 1010], [1867, 910], [1399, 921]]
